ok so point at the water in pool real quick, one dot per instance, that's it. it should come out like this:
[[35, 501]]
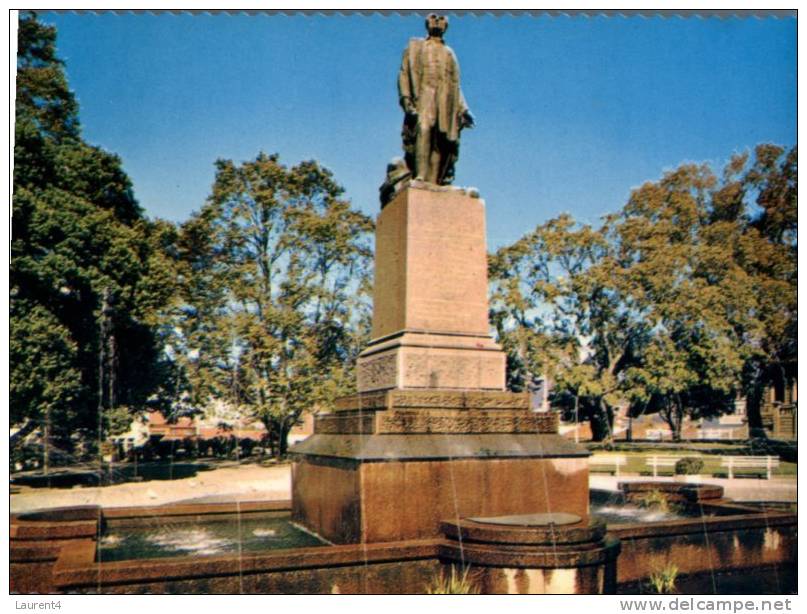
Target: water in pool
[[613, 508], [202, 538], [627, 514]]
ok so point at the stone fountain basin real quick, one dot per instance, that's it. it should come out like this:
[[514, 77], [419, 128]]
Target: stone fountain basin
[[56, 551]]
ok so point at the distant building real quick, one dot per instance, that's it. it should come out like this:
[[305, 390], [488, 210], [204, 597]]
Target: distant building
[[652, 427], [154, 428], [779, 411]]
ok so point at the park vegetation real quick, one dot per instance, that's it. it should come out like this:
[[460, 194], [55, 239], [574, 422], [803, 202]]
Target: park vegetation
[[259, 300], [676, 304]]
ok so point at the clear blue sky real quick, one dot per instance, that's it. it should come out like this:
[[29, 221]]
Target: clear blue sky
[[571, 112]]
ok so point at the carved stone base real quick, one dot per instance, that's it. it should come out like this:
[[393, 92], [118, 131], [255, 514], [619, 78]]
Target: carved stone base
[[430, 300], [454, 421], [435, 411], [414, 360]]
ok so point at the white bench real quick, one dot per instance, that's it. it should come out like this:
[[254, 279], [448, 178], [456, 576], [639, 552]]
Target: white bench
[[609, 460], [763, 464], [662, 461]]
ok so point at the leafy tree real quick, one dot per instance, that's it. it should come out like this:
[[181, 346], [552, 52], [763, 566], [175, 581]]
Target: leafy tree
[[686, 281], [769, 257], [561, 305], [87, 276], [678, 303], [275, 270]]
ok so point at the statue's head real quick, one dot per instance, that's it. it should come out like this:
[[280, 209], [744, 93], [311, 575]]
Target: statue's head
[[436, 25]]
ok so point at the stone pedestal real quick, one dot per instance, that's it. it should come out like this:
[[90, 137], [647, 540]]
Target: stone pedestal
[[394, 465], [430, 312], [431, 436]]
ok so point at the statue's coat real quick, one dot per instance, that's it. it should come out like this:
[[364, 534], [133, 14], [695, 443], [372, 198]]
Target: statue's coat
[[443, 105]]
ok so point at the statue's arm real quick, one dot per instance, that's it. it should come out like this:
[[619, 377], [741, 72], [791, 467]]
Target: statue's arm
[[406, 97], [466, 117], [463, 112]]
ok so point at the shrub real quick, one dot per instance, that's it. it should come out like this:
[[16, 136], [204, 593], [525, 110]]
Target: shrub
[[689, 466], [786, 450]]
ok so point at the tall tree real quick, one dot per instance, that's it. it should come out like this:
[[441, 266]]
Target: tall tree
[[677, 304], [276, 268], [562, 305], [687, 281], [87, 274], [770, 258]]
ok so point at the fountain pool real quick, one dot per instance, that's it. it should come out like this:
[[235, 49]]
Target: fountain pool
[[255, 533], [252, 547]]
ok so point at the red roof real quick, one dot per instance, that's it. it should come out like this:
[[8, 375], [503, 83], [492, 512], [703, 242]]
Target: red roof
[[185, 427]]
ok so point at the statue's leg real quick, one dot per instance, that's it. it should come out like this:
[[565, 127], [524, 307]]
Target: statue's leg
[[449, 154], [409, 134], [423, 153], [435, 158]]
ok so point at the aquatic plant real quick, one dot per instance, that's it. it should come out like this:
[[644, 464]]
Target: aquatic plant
[[653, 499], [455, 583], [663, 579]]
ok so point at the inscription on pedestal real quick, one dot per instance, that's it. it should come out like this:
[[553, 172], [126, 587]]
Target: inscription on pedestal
[[462, 422], [420, 421], [430, 302]]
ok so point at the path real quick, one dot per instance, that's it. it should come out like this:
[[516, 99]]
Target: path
[[244, 482], [256, 483]]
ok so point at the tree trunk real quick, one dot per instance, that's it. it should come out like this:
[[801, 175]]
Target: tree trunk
[[753, 408], [282, 439], [677, 428], [602, 422], [677, 420], [669, 414]]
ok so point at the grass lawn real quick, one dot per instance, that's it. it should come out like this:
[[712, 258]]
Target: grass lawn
[[636, 463]]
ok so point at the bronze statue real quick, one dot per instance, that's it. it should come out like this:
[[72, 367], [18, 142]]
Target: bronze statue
[[434, 108]]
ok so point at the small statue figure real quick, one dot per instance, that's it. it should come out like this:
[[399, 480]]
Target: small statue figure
[[434, 108], [397, 174]]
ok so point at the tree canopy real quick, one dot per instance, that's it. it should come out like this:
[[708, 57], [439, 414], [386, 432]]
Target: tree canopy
[[273, 309], [87, 268], [679, 303]]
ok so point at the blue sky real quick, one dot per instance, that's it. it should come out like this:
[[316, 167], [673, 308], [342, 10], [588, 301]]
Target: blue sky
[[572, 112]]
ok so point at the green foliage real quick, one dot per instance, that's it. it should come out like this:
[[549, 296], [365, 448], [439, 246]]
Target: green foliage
[[117, 420], [689, 465], [676, 304], [454, 583], [273, 308], [663, 580], [78, 235], [788, 451], [653, 499], [558, 314], [43, 376]]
